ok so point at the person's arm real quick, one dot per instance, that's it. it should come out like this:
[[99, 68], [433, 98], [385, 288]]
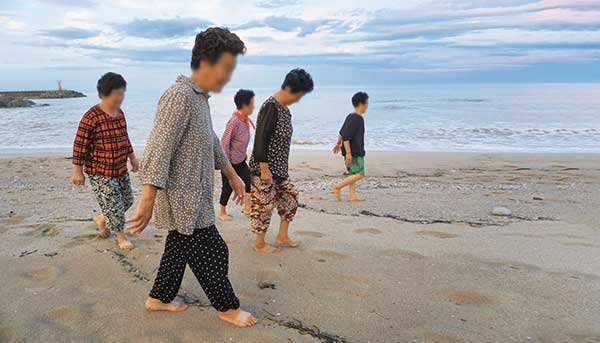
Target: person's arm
[[348, 153], [135, 165], [226, 138], [82, 147], [221, 159], [172, 117], [338, 145], [264, 130], [236, 184]]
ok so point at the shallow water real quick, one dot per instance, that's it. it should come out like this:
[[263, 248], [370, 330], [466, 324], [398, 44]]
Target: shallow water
[[481, 118]]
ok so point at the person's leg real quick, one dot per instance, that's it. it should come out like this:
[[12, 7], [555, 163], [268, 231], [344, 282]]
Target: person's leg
[[225, 194], [110, 198], [357, 170], [286, 200], [100, 220], [170, 274], [260, 213], [209, 261], [244, 173], [126, 200]]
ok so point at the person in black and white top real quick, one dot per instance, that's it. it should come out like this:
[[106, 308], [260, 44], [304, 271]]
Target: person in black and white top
[[271, 186]]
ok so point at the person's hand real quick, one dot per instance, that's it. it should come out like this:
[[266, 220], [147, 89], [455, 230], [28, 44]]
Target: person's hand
[[142, 217], [348, 160], [135, 165], [78, 178], [238, 189], [337, 148], [266, 176]]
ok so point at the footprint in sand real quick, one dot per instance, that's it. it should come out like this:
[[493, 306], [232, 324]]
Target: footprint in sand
[[314, 234], [42, 230], [368, 230], [586, 338], [436, 234], [581, 244], [70, 316], [438, 337], [470, 298], [334, 254], [44, 273], [402, 253], [80, 240], [13, 220], [8, 334], [266, 275], [519, 234]]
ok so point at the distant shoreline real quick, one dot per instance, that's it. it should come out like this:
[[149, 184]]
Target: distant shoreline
[[43, 94]]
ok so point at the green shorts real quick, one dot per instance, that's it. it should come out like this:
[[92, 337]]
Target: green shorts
[[357, 166]]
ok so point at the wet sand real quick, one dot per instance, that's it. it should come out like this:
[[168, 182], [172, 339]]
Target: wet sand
[[423, 260]]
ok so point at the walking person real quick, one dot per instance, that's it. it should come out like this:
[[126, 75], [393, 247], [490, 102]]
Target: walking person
[[351, 142], [101, 149], [235, 141], [271, 186], [180, 158]]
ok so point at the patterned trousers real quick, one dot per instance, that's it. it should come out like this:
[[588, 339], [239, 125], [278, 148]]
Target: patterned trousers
[[208, 256], [115, 197], [265, 197]]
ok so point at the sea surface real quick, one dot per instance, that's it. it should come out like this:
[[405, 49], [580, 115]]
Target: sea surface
[[560, 118]]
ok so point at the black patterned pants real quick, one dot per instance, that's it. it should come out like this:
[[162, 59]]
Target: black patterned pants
[[115, 197], [207, 254]]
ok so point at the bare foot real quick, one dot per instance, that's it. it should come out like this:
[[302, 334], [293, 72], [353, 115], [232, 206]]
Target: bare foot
[[287, 242], [336, 193], [157, 305], [356, 200], [101, 222], [238, 318], [123, 242], [266, 249], [225, 217]]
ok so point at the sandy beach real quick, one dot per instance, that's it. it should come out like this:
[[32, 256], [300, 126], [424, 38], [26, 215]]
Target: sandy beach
[[423, 260]]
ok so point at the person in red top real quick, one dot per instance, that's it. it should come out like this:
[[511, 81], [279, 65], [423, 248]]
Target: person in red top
[[101, 150]]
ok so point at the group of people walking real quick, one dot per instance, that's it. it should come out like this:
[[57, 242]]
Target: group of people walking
[[180, 157]]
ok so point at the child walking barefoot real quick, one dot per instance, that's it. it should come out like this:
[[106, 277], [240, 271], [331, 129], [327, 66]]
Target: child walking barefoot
[[101, 149], [235, 144], [351, 143]]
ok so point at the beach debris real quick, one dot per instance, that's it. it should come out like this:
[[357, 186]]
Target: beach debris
[[50, 254], [538, 198], [26, 253], [128, 266], [303, 329], [501, 211], [263, 285]]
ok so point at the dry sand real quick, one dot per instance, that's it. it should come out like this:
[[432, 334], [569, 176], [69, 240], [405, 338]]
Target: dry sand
[[423, 260]]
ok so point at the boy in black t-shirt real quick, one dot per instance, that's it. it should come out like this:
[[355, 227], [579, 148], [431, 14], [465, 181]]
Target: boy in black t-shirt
[[351, 141]]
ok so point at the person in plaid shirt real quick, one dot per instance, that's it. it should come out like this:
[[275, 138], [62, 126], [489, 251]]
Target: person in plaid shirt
[[101, 150]]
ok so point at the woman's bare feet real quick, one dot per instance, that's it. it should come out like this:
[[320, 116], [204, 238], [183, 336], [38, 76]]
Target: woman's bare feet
[[356, 199], [287, 242], [225, 217], [123, 242], [101, 222], [265, 248], [337, 193], [157, 305], [238, 318]]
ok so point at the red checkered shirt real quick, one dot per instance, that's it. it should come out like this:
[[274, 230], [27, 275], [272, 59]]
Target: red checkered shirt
[[102, 144]]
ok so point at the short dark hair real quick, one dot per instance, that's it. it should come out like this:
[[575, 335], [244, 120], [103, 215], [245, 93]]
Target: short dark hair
[[212, 43], [299, 81], [243, 98], [359, 98], [108, 82]]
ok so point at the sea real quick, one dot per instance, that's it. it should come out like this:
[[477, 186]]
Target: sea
[[512, 118]]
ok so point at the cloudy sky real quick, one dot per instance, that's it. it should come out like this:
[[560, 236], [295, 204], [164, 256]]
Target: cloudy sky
[[338, 41]]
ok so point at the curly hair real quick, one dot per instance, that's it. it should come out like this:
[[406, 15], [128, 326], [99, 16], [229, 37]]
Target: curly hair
[[299, 81], [212, 43], [108, 82]]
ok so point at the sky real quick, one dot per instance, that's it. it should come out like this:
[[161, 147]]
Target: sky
[[340, 42]]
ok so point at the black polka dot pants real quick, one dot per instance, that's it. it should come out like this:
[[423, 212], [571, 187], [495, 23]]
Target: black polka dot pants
[[207, 254]]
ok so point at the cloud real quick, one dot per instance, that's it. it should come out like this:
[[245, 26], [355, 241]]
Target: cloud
[[70, 3], [163, 28], [271, 4], [69, 33], [287, 24]]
